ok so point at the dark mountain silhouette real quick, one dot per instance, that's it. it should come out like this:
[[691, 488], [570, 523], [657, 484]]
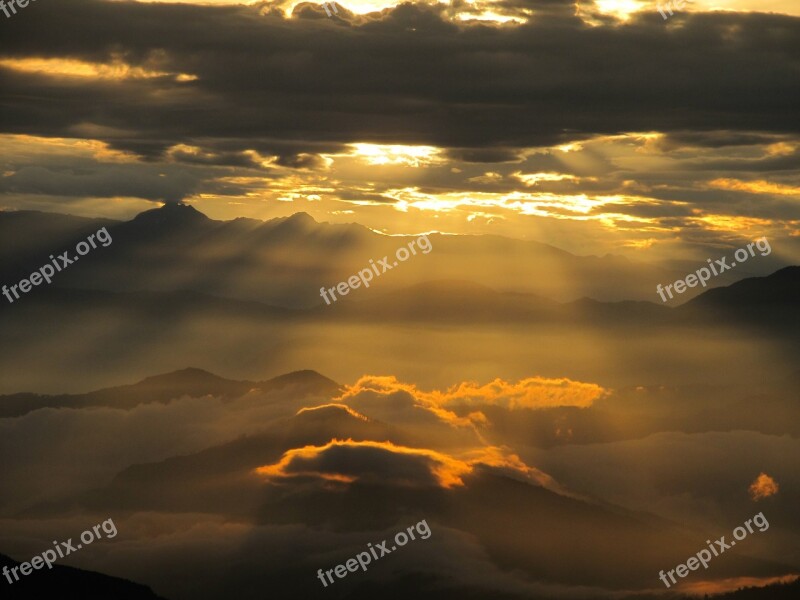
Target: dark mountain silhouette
[[759, 303], [170, 216], [28, 237], [777, 291], [775, 591], [163, 388], [72, 584]]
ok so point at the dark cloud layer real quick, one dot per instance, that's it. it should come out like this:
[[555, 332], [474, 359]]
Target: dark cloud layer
[[406, 75]]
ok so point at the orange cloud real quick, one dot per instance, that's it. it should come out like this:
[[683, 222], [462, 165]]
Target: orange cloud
[[530, 393], [758, 186], [348, 461], [401, 397], [342, 407], [763, 487]]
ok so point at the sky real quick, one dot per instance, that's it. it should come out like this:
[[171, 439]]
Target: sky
[[563, 430], [596, 127]]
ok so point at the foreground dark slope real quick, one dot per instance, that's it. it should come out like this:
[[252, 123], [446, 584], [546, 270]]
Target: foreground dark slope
[[71, 584], [521, 525]]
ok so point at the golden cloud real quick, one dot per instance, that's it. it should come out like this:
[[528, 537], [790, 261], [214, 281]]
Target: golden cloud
[[758, 186], [391, 390], [763, 487], [342, 407], [348, 461], [530, 393]]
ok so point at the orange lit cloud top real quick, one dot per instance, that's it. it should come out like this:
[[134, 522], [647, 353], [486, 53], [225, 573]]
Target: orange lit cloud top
[[325, 407], [386, 398], [385, 462], [758, 186], [763, 487], [369, 461], [530, 393]]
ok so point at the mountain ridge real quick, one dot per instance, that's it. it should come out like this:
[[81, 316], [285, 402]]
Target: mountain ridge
[[285, 260], [163, 388]]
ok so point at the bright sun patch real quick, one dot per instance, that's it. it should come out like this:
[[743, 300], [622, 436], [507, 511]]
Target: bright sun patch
[[409, 156]]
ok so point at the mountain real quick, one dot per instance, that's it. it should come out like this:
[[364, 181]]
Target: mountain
[[69, 582], [190, 382], [285, 261], [171, 216], [779, 290], [760, 302], [775, 591], [28, 237], [520, 525]]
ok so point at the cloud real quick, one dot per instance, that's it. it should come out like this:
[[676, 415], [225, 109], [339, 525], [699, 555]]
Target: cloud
[[348, 461], [369, 461], [695, 479], [203, 94], [76, 450], [244, 89], [324, 410], [529, 393], [763, 487]]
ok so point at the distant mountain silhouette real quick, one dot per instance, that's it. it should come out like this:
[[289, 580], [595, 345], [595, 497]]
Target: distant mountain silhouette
[[285, 261], [28, 237], [769, 301], [163, 388], [168, 219], [780, 289], [71, 584], [775, 591]]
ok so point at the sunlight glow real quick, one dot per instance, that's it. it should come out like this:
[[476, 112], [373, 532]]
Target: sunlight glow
[[530, 179], [409, 156], [559, 206], [622, 9]]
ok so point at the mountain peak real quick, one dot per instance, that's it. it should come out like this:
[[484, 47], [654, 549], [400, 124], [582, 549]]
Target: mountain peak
[[297, 221], [172, 214], [301, 217]]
